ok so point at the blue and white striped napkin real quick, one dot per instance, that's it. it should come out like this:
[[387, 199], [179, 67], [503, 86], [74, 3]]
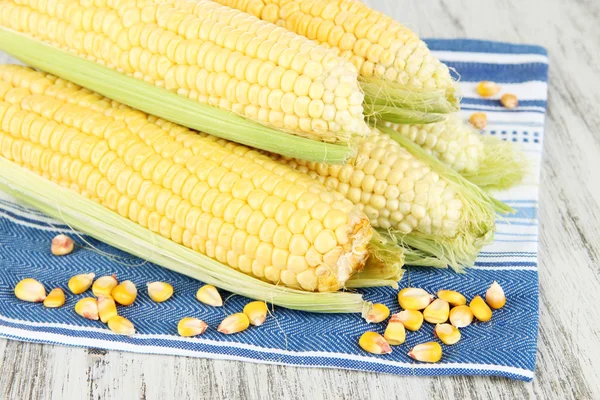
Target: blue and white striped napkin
[[505, 346]]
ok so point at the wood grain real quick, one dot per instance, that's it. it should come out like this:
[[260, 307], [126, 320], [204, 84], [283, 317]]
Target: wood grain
[[568, 352]]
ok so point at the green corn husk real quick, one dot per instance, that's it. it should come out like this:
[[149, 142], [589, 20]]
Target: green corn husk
[[109, 227], [164, 103]]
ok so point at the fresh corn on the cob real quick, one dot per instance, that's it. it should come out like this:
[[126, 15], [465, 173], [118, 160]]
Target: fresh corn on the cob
[[219, 198]]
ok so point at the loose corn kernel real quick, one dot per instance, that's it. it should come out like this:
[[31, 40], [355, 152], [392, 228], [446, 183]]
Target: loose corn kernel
[[55, 298], [414, 299], [189, 327], [80, 283], [373, 342], [427, 352], [454, 298], [478, 120], [256, 312], [235, 323], [87, 308], [495, 296], [378, 313], [208, 294], [62, 245], [461, 316], [487, 88], [411, 319], [447, 333], [395, 333], [160, 291], [124, 293], [480, 309], [106, 308], [30, 290], [121, 325], [104, 285], [437, 312], [509, 101]]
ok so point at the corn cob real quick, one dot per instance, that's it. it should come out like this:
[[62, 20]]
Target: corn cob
[[417, 199], [206, 53], [379, 47], [223, 200], [484, 160]]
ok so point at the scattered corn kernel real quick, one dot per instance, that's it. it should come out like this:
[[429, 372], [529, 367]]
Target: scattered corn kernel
[[461, 316], [411, 319], [80, 283], [509, 101], [437, 312], [189, 327], [107, 308], [160, 291], [124, 293], [414, 299], [495, 296], [395, 333], [480, 310], [256, 311], [373, 342], [30, 290], [87, 308], [104, 285], [478, 120], [208, 294], [426, 352], [378, 313], [55, 298], [447, 333], [235, 323], [454, 298], [487, 88], [62, 245], [121, 325]]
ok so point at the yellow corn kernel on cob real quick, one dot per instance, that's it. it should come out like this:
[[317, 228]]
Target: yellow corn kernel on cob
[[209, 53], [218, 198]]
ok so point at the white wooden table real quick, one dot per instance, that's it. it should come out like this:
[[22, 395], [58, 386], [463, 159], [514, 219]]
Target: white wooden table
[[568, 365]]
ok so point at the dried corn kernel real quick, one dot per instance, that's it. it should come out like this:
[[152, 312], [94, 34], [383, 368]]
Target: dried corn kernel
[[208, 294], [373, 342], [411, 319], [414, 299], [487, 88], [55, 298], [30, 290], [461, 316], [478, 120], [377, 313], [437, 312], [160, 291], [62, 245], [80, 283], [480, 310], [124, 293], [495, 296], [256, 312], [106, 308], [104, 285], [87, 308], [447, 333], [189, 327], [454, 298], [121, 325], [427, 352], [509, 101], [235, 323], [395, 333]]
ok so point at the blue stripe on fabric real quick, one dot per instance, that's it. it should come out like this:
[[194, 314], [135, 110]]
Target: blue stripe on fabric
[[496, 103], [501, 73], [483, 46]]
